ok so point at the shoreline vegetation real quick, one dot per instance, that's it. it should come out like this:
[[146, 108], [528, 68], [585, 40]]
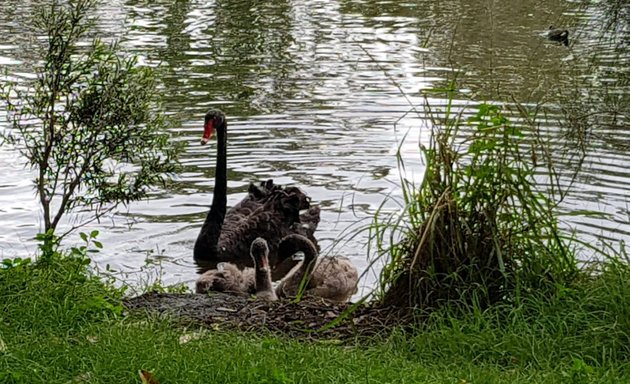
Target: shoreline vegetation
[[479, 282], [61, 322]]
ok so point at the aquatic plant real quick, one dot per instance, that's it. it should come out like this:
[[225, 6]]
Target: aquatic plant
[[479, 229]]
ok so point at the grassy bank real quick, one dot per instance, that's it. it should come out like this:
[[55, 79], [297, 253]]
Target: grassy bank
[[60, 324]]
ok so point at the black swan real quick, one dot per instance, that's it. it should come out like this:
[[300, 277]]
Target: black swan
[[269, 211], [332, 278], [259, 253], [559, 35]]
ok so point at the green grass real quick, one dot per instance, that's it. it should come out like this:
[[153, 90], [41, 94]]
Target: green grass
[[122, 348], [59, 324], [115, 351]]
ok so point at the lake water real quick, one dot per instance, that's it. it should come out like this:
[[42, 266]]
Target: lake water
[[318, 93]]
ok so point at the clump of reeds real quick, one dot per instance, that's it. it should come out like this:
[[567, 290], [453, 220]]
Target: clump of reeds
[[479, 229]]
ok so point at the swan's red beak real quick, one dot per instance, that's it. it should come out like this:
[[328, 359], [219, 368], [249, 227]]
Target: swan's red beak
[[208, 132]]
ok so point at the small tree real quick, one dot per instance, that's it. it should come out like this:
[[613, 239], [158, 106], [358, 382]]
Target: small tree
[[88, 122]]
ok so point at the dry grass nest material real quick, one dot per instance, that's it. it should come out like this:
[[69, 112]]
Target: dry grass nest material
[[309, 318]]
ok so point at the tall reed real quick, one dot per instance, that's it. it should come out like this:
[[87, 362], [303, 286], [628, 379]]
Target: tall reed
[[479, 229]]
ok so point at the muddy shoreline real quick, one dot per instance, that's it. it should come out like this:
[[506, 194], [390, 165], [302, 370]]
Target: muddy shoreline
[[310, 319]]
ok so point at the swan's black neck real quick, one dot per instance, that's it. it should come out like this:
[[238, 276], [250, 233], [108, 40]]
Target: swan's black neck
[[206, 244]]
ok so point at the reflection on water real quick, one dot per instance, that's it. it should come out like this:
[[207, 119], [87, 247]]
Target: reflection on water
[[313, 93]]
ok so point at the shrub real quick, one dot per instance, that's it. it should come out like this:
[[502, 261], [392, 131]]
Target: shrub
[[89, 123], [57, 292], [478, 230]]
